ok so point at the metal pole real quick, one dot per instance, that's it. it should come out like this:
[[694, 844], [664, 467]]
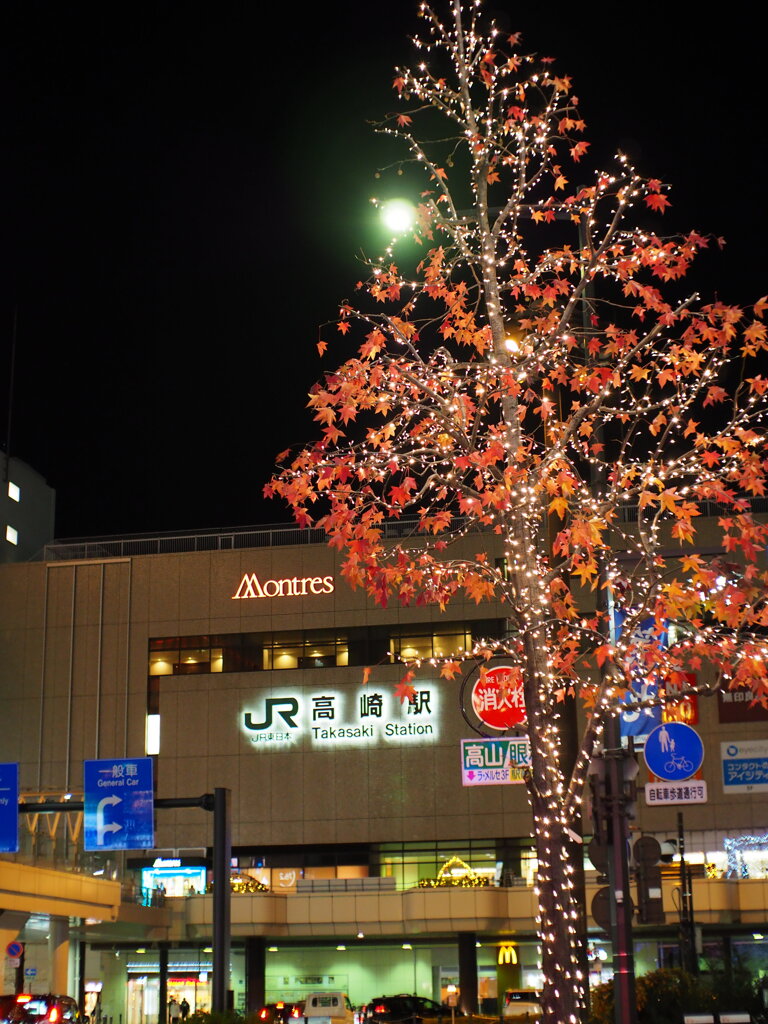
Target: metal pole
[[222, 855], [625, 1011]]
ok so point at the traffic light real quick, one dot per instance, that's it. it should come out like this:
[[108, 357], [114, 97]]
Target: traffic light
[[646, 857]]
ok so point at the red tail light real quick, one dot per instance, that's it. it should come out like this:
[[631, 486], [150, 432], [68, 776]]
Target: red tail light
[[54, 1015], [279, 1006], [264, 1013], [380, 1008], [24, 998], [295, 1012]]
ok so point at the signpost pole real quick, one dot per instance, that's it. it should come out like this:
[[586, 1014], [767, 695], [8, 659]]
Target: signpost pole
[[222, 856]]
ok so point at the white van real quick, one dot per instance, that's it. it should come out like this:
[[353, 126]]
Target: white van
[[328, 1008]]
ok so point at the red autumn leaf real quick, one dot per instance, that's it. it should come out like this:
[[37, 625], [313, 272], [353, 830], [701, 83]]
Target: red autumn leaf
[[403, 120], [657, 202], [322, 346], [404, 690], [450, 669]]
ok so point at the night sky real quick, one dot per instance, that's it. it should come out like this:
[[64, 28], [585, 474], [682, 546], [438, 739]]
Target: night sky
[[184, 189]]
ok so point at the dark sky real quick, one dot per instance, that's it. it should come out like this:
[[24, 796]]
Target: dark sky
[[183, 189]]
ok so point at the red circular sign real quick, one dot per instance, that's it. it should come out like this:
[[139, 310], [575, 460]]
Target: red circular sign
[[497, 697]]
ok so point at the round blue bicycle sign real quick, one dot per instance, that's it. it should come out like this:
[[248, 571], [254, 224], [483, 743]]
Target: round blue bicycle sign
[[673, 751]]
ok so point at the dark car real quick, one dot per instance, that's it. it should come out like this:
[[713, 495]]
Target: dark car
[[44, 1009], [404, 1008], [7, 1003], [281, 1012]]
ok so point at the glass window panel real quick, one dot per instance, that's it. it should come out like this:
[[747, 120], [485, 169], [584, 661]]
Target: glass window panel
[[217, 659], [449, 643], [194, 661], [161, 662], [286, 657], [414, 646]]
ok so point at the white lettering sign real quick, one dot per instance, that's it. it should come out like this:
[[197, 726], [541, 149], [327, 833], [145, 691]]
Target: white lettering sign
[[335, 719], [295, 586]]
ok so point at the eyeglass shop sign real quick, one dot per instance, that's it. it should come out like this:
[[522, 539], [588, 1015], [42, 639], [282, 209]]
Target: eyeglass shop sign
[[333, 719]]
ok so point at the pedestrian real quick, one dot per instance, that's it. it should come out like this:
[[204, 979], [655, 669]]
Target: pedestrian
[[174, 1011], [184, 1007]]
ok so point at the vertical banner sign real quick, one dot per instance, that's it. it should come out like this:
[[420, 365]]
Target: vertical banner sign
[[9, 808], [119, 805]]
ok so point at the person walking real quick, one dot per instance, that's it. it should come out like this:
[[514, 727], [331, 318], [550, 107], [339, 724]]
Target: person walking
[[174, 1011], [184, 1007]]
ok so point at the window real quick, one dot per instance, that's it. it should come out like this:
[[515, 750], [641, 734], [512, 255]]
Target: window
[[308, 649], [14, 491], [11, 535]]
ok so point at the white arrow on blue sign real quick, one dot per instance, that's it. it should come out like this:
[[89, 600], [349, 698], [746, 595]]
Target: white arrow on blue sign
[[9, 808], [673, 751], [119, 804]]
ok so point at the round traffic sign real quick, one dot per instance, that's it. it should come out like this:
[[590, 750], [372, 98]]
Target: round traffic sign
[[497, 697], [673, 751], [14, 950]]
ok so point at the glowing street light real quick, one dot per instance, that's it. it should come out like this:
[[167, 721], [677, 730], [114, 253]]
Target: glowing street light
[[398, 215]]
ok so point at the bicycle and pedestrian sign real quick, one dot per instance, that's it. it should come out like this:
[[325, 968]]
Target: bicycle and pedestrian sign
[[674, 753]]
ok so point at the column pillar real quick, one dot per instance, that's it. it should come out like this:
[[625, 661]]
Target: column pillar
[[11, 924], [255, 973], [58, 953], [468, 971], [162, 995]]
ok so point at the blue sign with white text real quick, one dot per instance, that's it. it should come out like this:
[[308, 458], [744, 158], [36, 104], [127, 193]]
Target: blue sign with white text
[[640, 720], [119, 804], [673, 752], [9, 808]]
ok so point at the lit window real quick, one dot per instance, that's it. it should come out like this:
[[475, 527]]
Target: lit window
[[11, 535], [152, 739], [14, 491]]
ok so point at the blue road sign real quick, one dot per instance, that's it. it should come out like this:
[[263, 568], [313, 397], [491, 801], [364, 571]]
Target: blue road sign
[[673, 752], [636, 721], [119, 804], [9, 808]]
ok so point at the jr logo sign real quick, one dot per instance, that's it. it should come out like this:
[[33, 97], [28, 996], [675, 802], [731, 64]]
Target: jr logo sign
[[290, 709]]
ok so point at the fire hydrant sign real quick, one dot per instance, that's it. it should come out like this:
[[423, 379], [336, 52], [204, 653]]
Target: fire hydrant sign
[[119, 805], [494, 762], [497, 698]]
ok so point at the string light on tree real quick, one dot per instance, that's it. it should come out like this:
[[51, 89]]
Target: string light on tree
[[565, 396]]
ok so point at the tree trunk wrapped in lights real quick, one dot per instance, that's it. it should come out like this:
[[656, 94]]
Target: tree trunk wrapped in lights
[[542, 375]]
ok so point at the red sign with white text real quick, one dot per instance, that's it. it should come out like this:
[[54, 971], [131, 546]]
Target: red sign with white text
[[497, 698]]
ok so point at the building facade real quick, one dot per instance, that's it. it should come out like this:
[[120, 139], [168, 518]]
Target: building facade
[[247, 663]]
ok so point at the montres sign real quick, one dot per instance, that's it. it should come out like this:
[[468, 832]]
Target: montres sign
[[295, 586]]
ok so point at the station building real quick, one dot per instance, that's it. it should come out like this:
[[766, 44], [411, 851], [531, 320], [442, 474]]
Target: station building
[[360, 860]]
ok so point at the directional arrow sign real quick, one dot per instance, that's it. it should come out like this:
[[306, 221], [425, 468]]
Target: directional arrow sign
[[119, 804]]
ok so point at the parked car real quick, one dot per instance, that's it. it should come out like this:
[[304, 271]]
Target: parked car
[[521, 1004], [281, 1012], [328, 1008], [45, 1009], [7, 1003], [407, 1008]]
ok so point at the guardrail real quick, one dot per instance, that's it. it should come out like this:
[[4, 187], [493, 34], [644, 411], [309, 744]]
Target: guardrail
[[282, 535]]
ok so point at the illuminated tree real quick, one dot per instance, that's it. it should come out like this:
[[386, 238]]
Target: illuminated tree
[[542, 376]]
